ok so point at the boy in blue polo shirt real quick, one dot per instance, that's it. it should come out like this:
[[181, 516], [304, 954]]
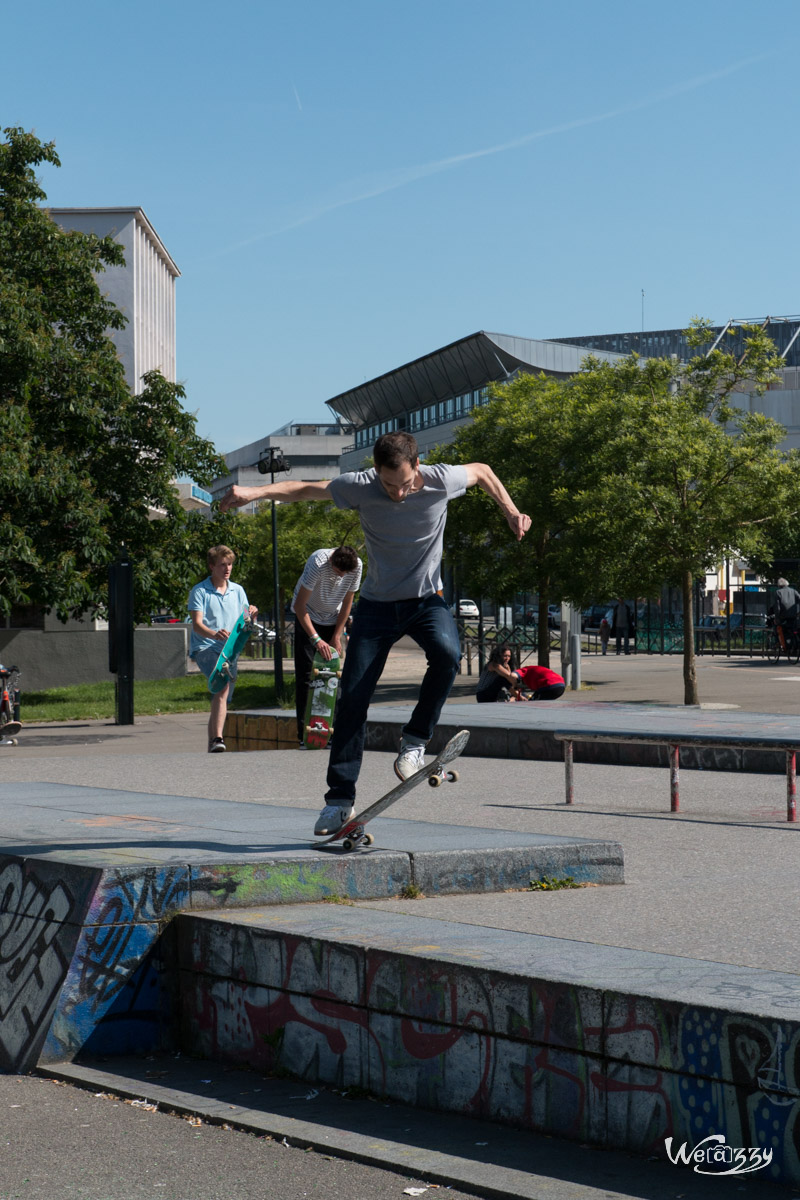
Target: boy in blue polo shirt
[[215, 605]]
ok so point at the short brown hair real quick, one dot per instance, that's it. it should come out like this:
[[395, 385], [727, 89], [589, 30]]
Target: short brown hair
[[394, 449], [344, 558], [218, 552]]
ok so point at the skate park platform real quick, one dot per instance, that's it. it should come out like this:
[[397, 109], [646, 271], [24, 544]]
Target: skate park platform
[[91, 878], [732, 740], [583, 1037]]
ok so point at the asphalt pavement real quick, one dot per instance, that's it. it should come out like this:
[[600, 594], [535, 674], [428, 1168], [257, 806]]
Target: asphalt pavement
[[717, 881]]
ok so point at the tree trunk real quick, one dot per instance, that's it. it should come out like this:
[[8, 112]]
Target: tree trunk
[[689, 663]]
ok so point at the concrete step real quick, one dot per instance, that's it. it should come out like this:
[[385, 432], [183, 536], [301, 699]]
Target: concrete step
[[618, 1048], [90, 879]]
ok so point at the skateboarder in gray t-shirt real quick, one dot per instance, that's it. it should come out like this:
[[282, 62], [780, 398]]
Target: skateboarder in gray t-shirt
[[402, 506]]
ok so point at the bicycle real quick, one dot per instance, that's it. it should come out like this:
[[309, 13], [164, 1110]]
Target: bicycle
[[10, 723], [788, 645]]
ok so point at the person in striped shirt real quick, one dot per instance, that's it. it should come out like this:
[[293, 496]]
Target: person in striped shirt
[[321, 605]]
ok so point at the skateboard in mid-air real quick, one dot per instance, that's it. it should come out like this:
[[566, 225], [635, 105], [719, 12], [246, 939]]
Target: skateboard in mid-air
[[352, 832], [318, 723], [237, 639]]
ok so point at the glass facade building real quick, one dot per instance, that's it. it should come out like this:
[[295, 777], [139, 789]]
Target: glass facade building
[[431, 396], [660, 343]]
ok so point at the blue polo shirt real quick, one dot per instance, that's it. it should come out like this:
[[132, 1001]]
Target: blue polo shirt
[[218, 610]]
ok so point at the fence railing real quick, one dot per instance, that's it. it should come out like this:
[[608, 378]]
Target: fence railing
[[662, 639]]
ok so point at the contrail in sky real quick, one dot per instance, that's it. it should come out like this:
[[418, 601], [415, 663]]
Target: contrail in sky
[[297, 98], [368, 187]]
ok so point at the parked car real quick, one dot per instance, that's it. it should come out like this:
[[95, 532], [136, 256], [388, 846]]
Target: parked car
[[466, 608], [592, 616], [554, 615]]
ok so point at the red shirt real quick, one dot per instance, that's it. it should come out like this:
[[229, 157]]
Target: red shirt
[[534, 678]]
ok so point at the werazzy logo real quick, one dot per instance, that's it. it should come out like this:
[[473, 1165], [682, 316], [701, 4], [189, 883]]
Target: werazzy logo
[[713, 1157]]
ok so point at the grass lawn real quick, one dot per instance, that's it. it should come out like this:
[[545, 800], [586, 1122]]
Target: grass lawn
[[94, 701]]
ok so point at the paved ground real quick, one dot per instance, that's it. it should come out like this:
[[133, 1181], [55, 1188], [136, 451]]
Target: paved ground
[[718, 881], [748, 683]]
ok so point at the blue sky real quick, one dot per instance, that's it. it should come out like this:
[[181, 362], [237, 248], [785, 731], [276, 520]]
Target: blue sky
[[346, 186]]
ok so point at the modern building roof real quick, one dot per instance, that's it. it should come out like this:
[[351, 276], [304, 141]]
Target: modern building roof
[[127, 213], [461, 367]]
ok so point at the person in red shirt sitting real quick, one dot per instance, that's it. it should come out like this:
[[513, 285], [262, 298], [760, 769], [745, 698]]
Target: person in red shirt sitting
[[543, 683]]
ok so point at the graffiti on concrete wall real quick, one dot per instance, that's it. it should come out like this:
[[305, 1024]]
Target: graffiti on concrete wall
[[428, 1034], [111, 999], [741, 1075], [36, 939], [614, 1069], [111, 946]]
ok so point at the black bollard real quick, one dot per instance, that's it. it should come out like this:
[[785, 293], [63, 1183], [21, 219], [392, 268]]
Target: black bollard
[[120, 635]]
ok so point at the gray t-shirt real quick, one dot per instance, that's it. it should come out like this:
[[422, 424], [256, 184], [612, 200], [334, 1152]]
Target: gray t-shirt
[[404, 538]]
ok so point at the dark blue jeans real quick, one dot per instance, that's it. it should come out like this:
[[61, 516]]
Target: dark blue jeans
[[377, 625]]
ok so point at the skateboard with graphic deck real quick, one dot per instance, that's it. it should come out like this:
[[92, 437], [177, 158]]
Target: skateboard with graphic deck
[[236, 641], [352, 832], [321, 703], [9, 706]]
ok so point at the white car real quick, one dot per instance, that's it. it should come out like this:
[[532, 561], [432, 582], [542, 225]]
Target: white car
[[466, 608]]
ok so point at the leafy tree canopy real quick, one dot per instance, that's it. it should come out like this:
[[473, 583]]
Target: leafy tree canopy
[[303, 527], [83, 463], [635, 473]]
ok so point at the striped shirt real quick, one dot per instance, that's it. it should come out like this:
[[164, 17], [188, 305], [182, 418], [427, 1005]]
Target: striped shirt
[[328, 590]]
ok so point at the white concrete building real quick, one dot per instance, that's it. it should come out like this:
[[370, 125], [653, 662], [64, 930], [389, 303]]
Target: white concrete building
[[312, 449], [143, 290]]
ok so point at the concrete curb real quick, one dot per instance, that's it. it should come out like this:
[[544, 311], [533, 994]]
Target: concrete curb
[[498, 1162]]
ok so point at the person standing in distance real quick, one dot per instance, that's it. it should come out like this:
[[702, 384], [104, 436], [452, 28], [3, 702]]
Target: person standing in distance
[[321, 605], [402, 506], [215, 605]]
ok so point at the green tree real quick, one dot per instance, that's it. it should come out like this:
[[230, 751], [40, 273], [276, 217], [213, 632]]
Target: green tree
[[683, 477], [635, 473], [83, 463], [303, 527], [533, 435]]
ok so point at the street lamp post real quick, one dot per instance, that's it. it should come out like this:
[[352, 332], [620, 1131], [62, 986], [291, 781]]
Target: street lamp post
[[273, 465]]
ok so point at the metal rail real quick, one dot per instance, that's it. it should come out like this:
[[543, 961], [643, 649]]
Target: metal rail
[[674, 744]]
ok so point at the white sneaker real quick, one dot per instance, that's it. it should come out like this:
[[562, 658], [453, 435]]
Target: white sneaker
[[333, 817], [410, 760]]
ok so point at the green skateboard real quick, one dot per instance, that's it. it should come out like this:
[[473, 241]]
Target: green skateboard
[[352, 832], [318, 724], [238, 638]]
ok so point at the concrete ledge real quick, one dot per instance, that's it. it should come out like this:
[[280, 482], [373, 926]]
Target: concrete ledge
[[616, 1047], [527, 731], [85, 946]]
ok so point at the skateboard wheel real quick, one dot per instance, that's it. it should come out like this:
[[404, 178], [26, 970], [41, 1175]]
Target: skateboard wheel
[[315, 672], [347, 844], [435, 780], [452, 776], [368, 839]]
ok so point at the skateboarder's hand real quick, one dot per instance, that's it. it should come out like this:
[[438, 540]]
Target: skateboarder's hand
[[236, 496], [519, 524], [222, 635], [324, 649]]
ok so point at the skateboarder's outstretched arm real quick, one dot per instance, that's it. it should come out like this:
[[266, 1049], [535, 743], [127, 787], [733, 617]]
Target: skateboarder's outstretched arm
[[286, 491], [485, 478]]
